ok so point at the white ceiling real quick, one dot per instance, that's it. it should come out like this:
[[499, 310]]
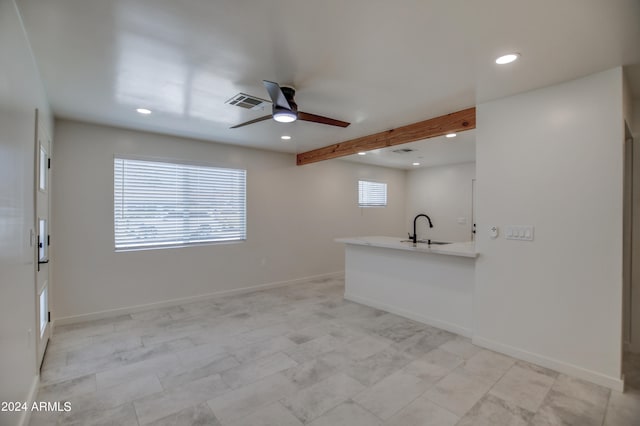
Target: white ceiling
[[377, 64], [432, 152]]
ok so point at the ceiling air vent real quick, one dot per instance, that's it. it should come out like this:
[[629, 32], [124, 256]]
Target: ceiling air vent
[[247, 101], [403, 150]]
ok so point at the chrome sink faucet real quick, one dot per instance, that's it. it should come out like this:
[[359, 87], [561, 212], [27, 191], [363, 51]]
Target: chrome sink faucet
[[415, 234]]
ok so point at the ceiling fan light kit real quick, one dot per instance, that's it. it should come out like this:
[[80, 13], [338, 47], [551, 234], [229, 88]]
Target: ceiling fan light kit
[[284, 115], [285, 109]]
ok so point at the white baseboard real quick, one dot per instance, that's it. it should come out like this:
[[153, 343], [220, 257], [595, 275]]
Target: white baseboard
[[563, 367], [31, 397], [444, 325], [173, 302], [614, 383]]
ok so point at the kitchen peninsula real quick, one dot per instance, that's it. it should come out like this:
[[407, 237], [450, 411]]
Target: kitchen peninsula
[[432, 284]]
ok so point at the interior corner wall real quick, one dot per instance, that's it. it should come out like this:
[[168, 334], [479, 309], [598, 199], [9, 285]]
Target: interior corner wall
[[635, 119], [553, 158], [627, 100], [443, 193], [632, 294], [21, 93], [633, 305], [293, 215]]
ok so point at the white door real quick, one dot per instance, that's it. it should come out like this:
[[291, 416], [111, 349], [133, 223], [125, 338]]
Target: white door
[[43, 147]]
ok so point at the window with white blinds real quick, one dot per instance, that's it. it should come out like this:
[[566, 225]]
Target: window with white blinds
[[161, 204], [372, 194]]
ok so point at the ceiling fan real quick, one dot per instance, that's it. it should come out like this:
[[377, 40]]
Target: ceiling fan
[[285, 109]]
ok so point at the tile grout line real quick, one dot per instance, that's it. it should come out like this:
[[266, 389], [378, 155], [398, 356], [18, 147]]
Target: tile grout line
[[364, 408], [136, 411], [606, 409], [504, 374], [480, 399]]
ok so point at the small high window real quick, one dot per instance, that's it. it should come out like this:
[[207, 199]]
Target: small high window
[[372, 194]]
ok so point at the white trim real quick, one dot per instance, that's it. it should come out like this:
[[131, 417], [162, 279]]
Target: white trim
[[444, 325], [33, 391], [614, 383], [173, 302]]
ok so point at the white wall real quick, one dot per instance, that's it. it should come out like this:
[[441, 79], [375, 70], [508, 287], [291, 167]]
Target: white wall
[[20, 94], [553, 158], [443, 193], [293, 215]]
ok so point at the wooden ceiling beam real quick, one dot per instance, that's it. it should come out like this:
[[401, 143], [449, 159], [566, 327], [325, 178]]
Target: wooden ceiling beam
[[455, 122]]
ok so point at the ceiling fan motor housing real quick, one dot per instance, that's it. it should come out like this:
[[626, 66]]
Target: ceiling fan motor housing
[[282, 114], [289, 92]]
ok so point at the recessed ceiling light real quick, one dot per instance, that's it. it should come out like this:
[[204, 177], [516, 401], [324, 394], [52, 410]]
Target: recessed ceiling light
[[507, 59], [362, 153], [143, 111], [416, 164], [451, 135], [286, 138]]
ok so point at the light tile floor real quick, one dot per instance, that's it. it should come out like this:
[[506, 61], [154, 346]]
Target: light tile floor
[[303, 355]]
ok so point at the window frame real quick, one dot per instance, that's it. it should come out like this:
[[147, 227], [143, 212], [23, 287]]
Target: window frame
[[176, 244], [386, 195]]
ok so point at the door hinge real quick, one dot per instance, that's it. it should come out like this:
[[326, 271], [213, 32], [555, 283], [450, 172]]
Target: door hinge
[[48, 163], [48, 316], [48, 240]]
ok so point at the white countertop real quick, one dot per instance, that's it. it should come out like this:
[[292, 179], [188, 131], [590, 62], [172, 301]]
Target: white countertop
[[466, 249]]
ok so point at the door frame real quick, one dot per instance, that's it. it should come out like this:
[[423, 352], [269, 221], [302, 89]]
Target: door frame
[[42, 195]]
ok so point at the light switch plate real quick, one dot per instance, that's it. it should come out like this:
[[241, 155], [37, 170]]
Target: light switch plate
[[519, 232]]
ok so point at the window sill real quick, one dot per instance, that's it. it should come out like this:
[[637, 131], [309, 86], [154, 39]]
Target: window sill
[[175, 246]]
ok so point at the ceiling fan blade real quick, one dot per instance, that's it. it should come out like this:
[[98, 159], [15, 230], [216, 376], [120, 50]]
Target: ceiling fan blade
[[257, 120], [305, 116], [276, 95]]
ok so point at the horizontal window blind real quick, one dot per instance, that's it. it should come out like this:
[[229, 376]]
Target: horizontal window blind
[[160, 204], [372, 194]]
